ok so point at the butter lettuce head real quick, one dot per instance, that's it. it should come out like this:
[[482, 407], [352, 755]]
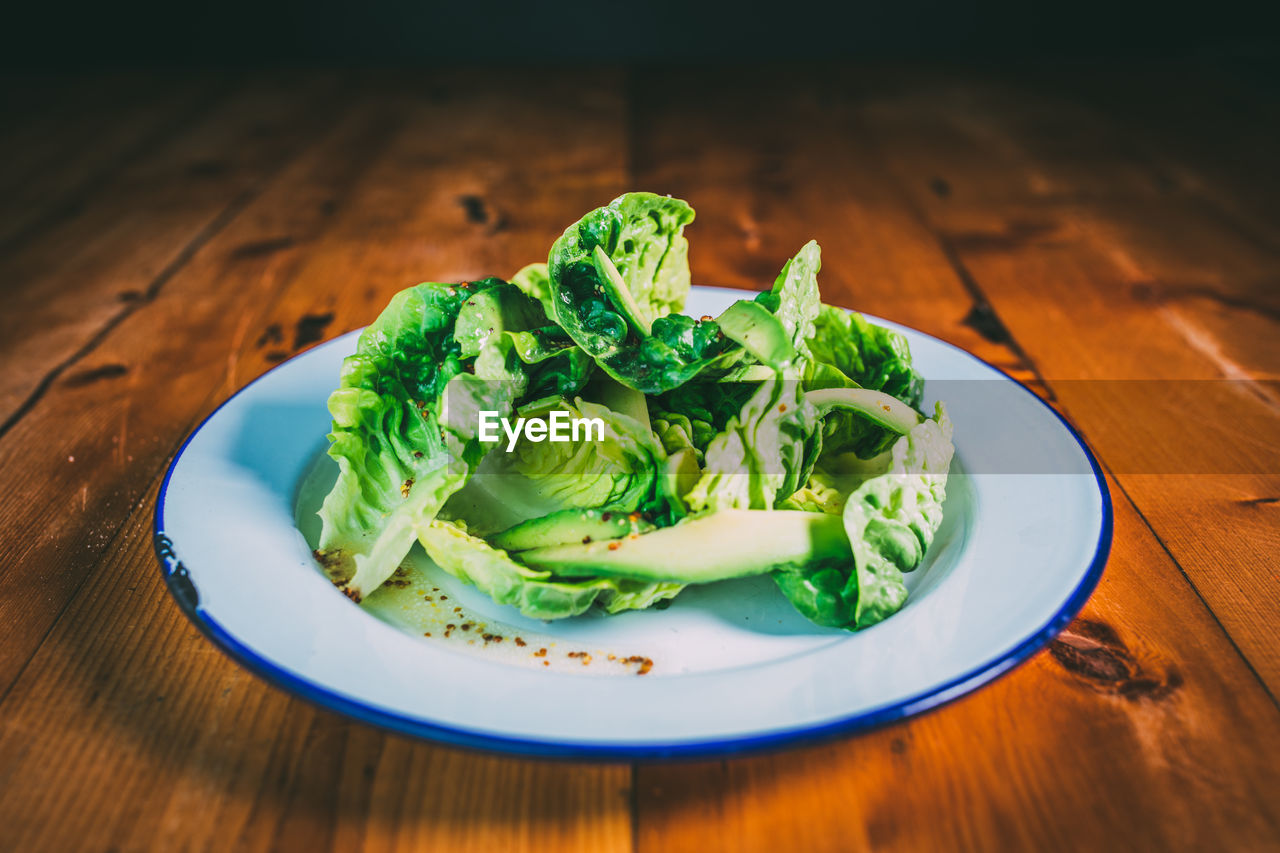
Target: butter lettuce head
[[405, 416], [781, 404]]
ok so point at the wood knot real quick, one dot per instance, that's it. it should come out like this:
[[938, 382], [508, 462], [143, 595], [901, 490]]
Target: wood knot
[[474, 208], [310, 328], [477, 213], [95, 374], [262, 248], [1094, 653]]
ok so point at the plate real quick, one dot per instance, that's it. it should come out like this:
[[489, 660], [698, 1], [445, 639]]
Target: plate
[[726, 668]]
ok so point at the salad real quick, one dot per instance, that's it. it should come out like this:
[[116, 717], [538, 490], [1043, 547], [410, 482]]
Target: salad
[[784, 436]]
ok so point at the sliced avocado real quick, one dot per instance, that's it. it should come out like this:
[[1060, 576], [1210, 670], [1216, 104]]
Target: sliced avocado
[[542, 406], [725, 544], [613, 395], [683, 471], [758, 331], [889, 412], [577, 526], [616, 289]]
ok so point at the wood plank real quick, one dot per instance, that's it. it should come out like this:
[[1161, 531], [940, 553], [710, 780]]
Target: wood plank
[[377, 204], [488, 213], [131, 730], [80, 132], [104, 429], [1191, 298], [49, 116], [1111, 740], [765, 184], [1206, 132], [1049, 757], [70, 282], [1140, 728]]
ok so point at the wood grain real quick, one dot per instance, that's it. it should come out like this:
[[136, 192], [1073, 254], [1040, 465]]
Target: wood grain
[[1046, 768], [1119, 260], [350, 191], [1134, 731], [71, 135], [130, 729], [1032, 219], [81, 274]]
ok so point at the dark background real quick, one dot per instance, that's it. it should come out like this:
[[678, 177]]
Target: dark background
[[77, 34]]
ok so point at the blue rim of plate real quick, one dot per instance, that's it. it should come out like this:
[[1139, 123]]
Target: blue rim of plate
[[180, 587]]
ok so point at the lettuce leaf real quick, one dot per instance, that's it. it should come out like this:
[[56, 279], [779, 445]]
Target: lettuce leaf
[[700, 409], [891, 519], [621, 472], [626, 471], [794, 297], [641, 236], [847, 351], [616, 279], [756, 449], [405, 416], [764, 453], [822, 492], [865, 354], [534, 281]]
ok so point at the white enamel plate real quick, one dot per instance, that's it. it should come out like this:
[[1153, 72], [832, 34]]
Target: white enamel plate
[[727, 667]]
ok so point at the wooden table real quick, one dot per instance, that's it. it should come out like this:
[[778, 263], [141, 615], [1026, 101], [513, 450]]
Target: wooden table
[[166, 238]]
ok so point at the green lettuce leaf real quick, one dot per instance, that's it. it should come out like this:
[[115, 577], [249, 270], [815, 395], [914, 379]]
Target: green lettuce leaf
[[764, 453], [616, 278], [865, 354], [534, 282], [405, 416], [700, 409], [626, 471], [641, 236], [794, 297], [822, 492], [847, 351], [891, 519], [619, 473]]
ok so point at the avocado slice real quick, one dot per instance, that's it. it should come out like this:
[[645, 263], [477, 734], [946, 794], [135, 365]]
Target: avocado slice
[[578, 526], [725, 544], [758, 331], [613, 395], [888, 411], [542, 406], [683, 471], [617, 291]]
